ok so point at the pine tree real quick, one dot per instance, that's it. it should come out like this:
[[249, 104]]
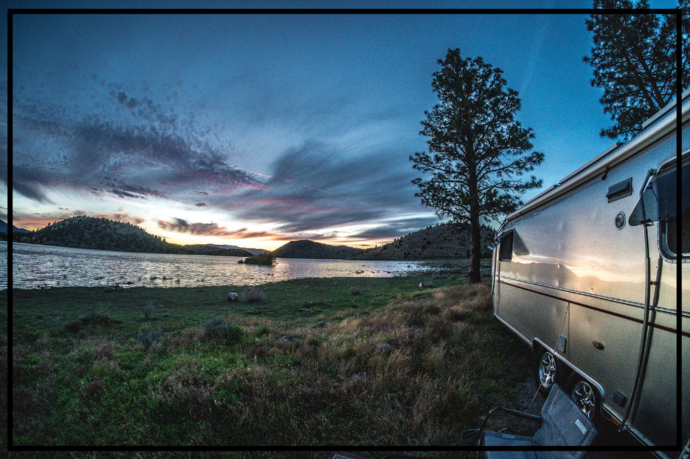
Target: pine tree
[[634, 60], [477, 150]]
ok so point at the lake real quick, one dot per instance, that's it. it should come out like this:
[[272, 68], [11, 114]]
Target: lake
[[40, 266]]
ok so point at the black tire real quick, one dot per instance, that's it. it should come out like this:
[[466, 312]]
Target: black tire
[[586, 397], [546, 371]]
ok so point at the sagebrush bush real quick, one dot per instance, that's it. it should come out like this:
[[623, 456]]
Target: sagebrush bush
[[220, 329], [432, 309], [91, 320], [263, 330], [148, 336], [149, 310], [253, 295]]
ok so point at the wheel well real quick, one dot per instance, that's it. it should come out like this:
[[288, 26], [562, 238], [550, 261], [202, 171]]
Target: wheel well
[[564, 371]]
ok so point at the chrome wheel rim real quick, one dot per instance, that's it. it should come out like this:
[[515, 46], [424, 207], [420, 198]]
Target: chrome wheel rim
[[583, 396], [547, 370]]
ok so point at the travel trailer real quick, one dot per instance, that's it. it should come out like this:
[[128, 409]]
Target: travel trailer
[[594, 276]]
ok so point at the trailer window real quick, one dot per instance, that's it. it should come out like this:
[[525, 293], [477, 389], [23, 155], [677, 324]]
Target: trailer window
[[506, 249], [670, 242]]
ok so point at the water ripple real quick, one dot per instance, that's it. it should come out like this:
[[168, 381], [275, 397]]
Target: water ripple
[[38, 266]]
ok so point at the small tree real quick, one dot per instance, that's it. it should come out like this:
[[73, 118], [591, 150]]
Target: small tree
[[634, 60], [477, 150]]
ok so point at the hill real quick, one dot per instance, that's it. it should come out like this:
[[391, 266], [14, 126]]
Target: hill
[[310, 249], [208, 249], [432, 243], [3, 228], [104, 234], [252, 251]]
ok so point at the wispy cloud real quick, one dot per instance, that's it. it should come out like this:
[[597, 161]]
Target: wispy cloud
[[153, 153], [317, 186], [179, 225], [123, 218]]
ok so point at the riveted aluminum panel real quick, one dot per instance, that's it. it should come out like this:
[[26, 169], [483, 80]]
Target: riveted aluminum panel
[[568, 250]]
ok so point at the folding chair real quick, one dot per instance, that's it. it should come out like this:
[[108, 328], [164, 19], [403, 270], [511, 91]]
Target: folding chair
[[563, 424]]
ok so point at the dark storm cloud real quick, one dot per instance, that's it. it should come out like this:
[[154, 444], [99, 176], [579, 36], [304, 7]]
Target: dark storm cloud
[[317, 186], [396, 228], [30, 182], [106, 154], [201, 204], [210, 229]]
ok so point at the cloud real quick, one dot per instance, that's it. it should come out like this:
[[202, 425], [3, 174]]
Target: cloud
[[396, 228], [153, 153], [319, 186], [210, 229], [201, 204], [124, 218]]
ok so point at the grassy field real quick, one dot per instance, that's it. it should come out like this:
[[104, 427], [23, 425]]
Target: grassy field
[[314, 362]]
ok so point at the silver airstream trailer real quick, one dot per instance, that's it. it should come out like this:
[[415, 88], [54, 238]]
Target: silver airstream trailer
[[594, 276]]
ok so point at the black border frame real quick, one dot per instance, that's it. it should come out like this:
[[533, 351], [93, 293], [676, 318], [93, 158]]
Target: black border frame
[[446, 11]]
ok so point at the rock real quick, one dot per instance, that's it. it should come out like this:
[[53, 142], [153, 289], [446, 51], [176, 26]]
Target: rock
[[113, 288], [38, 316], [362, 376], [384, 347], [425, 285], [288, 339], [19, 314], [232, 296]]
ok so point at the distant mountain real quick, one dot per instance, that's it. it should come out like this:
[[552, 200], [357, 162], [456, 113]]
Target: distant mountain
[[208, 249], [252, 251], [103, 234], [3, 228], [310, 249], [431, 243], [442, 241]]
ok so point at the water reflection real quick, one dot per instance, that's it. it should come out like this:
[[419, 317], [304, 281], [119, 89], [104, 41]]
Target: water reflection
[[37, 266]]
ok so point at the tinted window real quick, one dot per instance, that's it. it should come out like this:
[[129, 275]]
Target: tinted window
[[669, 235], [506, 250]]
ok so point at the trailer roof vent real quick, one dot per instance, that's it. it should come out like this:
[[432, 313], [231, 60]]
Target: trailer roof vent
[[620, 190]]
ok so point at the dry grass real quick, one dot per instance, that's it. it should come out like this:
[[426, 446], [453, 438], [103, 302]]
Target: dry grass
[[414, 372]]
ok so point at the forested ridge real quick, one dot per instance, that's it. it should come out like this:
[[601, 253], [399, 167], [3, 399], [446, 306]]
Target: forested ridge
[[104, 234]]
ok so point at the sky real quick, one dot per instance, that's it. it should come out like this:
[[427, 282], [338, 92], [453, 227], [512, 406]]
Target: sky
[[255, 130]]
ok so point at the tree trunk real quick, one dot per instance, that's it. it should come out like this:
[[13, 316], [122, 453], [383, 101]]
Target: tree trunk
[[474, 275], [475, 250]]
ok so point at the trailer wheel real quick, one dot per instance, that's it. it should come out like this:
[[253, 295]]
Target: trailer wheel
[[546, 371], [585, 396]]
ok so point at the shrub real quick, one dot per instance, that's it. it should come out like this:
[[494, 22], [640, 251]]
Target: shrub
[[432, 309], [263, 330], [219, 328], [253, 295], [355, 291], [265, 258], [93, 319], [148, 336], [149, 309]]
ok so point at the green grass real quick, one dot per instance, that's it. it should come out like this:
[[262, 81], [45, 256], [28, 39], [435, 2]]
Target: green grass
[[82, 375]]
